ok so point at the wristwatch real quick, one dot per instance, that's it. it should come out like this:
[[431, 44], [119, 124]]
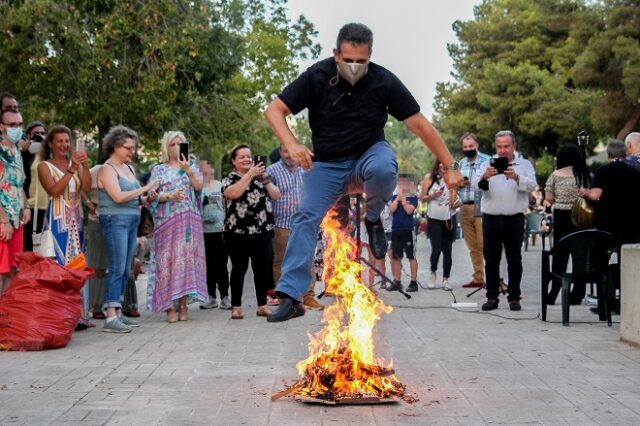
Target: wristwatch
[[453, 166]]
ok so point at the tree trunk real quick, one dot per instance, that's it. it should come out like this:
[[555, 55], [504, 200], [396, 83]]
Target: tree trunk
[[103, 129], [630, 125]]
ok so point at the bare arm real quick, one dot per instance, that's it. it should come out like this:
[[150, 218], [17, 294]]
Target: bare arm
[[422, 128], [272, 190], [108, 179], [52, 187], [276, 115], [426, 184]]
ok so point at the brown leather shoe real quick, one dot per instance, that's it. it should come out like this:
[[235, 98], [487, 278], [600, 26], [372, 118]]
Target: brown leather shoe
[[472, 284], [133, 313], [312, 303]]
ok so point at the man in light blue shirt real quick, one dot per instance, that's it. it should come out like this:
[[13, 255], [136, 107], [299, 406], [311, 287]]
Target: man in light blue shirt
[[470, 222], [505, 185]]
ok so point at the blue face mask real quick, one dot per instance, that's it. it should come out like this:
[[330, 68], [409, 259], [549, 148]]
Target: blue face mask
[[14, 134]]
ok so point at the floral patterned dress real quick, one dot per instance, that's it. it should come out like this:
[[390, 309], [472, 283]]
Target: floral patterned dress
[[178, 266]]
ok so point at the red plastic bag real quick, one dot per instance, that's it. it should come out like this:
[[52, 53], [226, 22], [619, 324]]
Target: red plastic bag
[[41, 308]]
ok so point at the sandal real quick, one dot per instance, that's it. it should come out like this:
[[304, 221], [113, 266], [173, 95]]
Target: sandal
[[183, 314], [263, 311], [99, 315], [172, 316], [236, 313]]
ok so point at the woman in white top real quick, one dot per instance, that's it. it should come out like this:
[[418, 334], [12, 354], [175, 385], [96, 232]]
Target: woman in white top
[[440, 224]]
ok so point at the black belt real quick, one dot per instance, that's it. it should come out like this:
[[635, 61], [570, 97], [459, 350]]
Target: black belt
[[466, 203]]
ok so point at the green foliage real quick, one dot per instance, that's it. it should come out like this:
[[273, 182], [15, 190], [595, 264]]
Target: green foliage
[[544, 166], [153, 65], [412, 156], [544, 69]]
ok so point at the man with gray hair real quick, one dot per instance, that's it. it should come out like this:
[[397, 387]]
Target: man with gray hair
[[632, 141], [505, 182], [349, 99]]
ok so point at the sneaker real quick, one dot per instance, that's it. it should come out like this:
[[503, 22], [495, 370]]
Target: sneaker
[[413, 286], [311, 303], [377, 238], [116, 326], [225, 303], [127, 321], [473, 284], [395, 286], [272, 301], [211, 304], [490, 305], [445, 284], [514, 305], [432, 280], [287, 310]]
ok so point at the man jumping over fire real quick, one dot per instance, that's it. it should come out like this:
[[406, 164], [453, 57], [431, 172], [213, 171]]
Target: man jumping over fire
[[349, 99]]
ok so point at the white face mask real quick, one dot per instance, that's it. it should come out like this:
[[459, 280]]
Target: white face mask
[[34, 148], [352, 71]]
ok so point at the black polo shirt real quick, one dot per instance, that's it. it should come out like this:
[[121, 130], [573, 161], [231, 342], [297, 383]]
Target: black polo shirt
[[619, 207], [347, 120]]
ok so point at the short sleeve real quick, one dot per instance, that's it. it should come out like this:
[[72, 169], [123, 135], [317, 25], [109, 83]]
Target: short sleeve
[[551, 183], [401, 102], [297, 94], [413, 201]]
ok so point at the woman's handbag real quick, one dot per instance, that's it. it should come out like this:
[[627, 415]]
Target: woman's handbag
[[146, 222], [43, 241], [582, 213]]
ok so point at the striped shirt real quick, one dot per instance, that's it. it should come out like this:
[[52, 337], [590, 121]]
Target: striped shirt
[[470, 170], [290, 185]]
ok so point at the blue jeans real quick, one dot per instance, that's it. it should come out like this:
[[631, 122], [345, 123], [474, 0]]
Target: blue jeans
[[375, 173], [120, 233]]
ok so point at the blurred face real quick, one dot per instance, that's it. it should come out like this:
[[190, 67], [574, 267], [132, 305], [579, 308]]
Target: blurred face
[[242, 161], [173, 150], [286, 158], [505, 147], [9, 104], [60, 145], [126, 151]]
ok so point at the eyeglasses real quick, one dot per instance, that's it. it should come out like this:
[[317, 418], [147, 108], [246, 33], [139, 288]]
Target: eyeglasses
[[129, 148]]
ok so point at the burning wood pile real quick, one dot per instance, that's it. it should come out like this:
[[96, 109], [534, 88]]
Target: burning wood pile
[[341, 368]]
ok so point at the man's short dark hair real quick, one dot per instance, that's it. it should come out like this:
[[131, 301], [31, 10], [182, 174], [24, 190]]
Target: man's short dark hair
[[469, 135], [356, 34], [616, 149], [6, 95]]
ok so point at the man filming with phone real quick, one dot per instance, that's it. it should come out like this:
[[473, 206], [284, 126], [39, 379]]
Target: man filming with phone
[[506, 182]]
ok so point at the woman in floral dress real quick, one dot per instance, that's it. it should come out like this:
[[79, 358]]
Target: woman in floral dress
[[177, 273]]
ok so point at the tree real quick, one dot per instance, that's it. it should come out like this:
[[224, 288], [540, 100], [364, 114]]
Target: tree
[[610, 65], [152, 65], [411, 154], [513, 67]]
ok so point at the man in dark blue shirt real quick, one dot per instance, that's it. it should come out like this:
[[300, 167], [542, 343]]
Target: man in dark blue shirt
[[349, 99]]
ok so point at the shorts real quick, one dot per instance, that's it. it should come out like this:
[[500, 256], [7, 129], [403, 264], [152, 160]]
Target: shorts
[[403, 241], [8, 250]]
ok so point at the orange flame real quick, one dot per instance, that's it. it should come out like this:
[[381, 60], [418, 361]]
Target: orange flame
[[341, 362]]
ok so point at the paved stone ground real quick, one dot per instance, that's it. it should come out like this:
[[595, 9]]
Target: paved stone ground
[[467, 367]]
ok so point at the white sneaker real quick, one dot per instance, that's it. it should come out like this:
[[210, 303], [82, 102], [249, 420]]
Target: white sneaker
[[432, 280], [445, 284], [211, 304], [225, 303]]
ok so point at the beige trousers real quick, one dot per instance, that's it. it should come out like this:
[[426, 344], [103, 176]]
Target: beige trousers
[[472, 230], [280, 238]]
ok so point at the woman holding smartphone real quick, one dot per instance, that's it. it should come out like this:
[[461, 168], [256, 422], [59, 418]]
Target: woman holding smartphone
[[177, 273], [64, 174], [249, 227]]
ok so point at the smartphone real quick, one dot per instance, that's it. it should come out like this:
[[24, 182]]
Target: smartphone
[[80, 147], [501, 164], [260, 159], [184, 151]]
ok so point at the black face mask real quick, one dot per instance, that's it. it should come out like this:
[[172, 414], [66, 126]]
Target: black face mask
[[470, 154]]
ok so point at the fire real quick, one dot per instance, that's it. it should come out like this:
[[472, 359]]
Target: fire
[[342, 363]]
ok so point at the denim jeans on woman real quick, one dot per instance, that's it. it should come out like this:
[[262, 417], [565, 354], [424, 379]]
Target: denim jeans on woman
[[120, 234]]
